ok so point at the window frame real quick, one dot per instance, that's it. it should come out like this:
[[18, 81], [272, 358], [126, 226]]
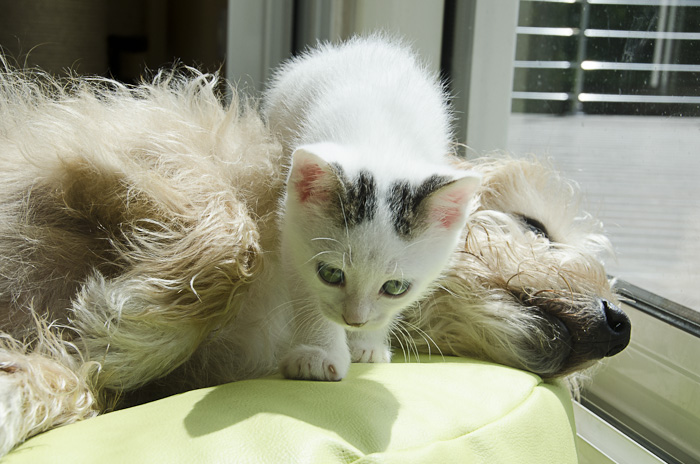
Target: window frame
[[665, 310]]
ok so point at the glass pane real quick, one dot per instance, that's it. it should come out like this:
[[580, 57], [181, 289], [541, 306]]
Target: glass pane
[[611, 91]]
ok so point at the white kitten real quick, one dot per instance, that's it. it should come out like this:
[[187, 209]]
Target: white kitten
[[372, 211]]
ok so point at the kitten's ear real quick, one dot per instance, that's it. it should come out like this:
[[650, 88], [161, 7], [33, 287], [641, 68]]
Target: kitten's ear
[[311, 178], [449, 205]]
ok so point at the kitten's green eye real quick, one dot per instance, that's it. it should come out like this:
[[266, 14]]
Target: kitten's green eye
[[395, 287], [331, 275]]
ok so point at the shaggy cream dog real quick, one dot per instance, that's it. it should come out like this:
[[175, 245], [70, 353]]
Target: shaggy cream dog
[[132, 220]]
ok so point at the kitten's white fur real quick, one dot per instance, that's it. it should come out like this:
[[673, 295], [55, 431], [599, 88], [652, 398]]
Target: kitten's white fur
[[365, 106]]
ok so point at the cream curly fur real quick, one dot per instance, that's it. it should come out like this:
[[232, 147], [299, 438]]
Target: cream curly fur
[[50, 379], [134, 223]]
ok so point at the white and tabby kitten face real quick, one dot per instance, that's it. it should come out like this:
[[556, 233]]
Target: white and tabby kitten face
[[360, 247]]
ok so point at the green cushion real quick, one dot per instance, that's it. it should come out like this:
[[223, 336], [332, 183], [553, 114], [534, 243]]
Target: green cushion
[[436, 411]]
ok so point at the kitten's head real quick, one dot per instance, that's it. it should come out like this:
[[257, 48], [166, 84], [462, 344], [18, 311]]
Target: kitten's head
[[362, 246]]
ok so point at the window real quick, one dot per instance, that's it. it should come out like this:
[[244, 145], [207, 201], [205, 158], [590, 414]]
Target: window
[[625, 76]]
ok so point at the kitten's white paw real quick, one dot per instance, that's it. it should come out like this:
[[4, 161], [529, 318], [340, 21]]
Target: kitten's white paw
[[362, 351], [306, 362]]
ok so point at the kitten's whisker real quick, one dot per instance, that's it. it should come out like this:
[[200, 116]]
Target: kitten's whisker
[[326, 238], [285, 305], [301, 317], [410, 342], [319, 254], [306, 323], [397, 337], [428, 339]]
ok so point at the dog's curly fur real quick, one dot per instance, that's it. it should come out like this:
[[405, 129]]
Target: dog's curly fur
[[132, 220]]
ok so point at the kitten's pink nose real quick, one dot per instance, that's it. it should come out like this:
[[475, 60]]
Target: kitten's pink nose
[[352, 323]]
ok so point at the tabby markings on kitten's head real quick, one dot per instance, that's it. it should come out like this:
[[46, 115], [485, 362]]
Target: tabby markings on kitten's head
[[355, 200]]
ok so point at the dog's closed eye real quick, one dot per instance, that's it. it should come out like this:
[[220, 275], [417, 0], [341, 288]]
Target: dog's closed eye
[[534, 226]]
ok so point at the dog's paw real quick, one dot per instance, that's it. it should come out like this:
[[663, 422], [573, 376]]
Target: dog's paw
[[306, 362], [362, 351]]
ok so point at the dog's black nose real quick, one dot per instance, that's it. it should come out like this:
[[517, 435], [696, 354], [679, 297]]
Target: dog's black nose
[[615, 332]]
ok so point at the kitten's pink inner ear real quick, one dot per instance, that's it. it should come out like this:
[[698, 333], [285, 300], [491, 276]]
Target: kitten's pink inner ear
[[452, 201], [307, 185], [309, 178]]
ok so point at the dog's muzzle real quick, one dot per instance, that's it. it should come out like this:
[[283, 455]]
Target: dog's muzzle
[[612, 332], [588, 329], [606, 332]]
